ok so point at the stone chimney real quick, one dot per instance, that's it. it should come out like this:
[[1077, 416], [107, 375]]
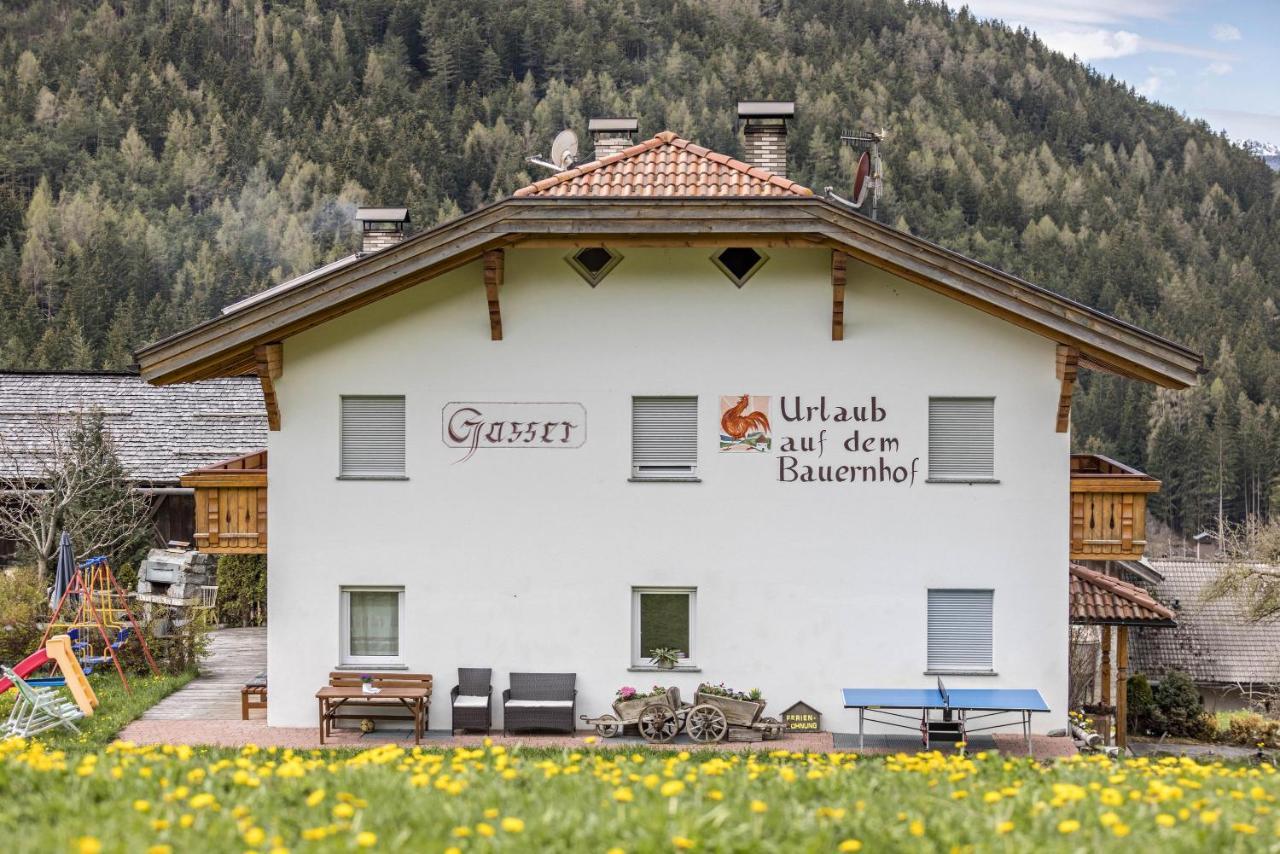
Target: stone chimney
[[764, 133], [381, 227], [611, 135]]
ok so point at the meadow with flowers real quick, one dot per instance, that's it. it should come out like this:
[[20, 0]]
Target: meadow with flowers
[[170, 799]]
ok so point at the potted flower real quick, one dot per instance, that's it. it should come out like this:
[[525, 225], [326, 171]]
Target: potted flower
[[741, 708], [666, 658], [629, 701], [366, 684]]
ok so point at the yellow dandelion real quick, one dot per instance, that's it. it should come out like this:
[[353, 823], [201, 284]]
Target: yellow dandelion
[[492, 812], [623, 795], [850, 845], [141, 805], [682, 842], [485, 829], [1210, 816], [715, 795], [159, 824], [254, 836], [671, 788], [366, 839], [1068, 826], [1120, 829], [462, 832], [916, 828], [88, 845], [1004, 827], [343, 811], [1242, 827], [315, 797], [512, 825], [160, 849]]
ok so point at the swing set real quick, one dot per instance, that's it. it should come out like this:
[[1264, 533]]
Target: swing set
[[94, 611]]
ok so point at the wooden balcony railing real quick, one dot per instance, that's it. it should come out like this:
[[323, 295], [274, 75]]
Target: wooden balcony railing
[[231, 505], [1108, 509]]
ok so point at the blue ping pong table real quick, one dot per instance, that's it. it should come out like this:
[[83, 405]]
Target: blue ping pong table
[[958, 707]]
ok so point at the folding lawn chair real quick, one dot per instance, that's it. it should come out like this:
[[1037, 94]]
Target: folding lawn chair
[[37, 709]]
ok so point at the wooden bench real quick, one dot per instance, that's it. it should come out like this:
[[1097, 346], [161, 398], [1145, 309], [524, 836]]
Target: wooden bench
[[253, 695], [345, 700]]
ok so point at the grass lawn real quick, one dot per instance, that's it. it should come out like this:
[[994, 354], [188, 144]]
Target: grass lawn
[[126, 798], [115, 709]]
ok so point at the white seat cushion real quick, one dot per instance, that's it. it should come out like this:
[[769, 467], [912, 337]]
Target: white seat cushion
[[469, 701], [540, 704]]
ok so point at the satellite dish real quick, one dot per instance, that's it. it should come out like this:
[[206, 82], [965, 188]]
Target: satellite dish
[[860, 180], [564, 150]]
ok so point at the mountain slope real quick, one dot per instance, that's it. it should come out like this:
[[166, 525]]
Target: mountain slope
[[161, 158]]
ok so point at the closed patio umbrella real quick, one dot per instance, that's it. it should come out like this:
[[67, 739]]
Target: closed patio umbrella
[[66, 566]]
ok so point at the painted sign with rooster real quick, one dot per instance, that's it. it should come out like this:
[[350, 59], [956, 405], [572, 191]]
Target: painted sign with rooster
[[744, 423]]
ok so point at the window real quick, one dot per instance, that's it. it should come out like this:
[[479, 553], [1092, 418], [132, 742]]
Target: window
[[371, 620], [372, 444], [960, 631], [962, 439], [739, 263], [662, 618], [664, 438], [593, 263]]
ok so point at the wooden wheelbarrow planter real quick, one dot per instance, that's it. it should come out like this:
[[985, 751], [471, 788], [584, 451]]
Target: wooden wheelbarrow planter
[[711, 719]]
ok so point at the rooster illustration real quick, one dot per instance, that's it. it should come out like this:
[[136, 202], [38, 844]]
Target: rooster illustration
[[737, 422]]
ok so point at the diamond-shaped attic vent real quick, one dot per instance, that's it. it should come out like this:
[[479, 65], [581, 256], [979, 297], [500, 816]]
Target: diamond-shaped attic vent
[[739, 263], [593, 263]]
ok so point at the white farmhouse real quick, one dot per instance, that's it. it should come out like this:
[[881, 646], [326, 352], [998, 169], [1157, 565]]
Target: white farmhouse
[[667, 400]]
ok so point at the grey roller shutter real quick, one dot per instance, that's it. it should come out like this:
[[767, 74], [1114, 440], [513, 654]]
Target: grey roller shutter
[[372, 437], [960, 630], [664, 437], [962, 438]]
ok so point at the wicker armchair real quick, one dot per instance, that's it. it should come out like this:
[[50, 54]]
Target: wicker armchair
[[472, 699], [540, 701]]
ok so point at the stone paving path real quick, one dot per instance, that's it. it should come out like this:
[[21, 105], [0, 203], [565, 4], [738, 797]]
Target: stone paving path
[[235, 656]]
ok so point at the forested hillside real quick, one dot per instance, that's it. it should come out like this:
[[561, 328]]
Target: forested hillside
[[160, 158]]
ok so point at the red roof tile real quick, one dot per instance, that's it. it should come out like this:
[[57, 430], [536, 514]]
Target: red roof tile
[[1102, 600], [665, 166]]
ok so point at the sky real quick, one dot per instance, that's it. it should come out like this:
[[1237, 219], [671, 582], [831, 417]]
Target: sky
[[1217, 61]]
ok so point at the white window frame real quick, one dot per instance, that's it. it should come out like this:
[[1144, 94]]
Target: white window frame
[[639, 662], [652, 472], [990, 669], [343, 472], [345, 658], [964, 478]]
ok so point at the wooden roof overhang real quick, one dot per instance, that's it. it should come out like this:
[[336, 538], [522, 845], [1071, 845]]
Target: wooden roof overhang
[[233, 343], [1102, 600]]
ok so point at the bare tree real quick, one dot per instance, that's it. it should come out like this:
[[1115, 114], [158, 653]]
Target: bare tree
[[1253, 575], [66, 476]]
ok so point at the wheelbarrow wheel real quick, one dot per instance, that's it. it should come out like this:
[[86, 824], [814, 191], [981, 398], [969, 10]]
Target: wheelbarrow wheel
[[657, 723], [706, 724], [607, 726]]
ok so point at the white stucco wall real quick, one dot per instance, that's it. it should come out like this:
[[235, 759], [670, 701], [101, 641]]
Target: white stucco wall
[[525, 559]]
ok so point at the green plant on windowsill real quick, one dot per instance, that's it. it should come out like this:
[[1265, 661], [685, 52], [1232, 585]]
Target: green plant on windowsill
[[666, 658]]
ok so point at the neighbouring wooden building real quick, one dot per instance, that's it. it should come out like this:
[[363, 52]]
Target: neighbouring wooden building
[[670, 399], [160, 433]]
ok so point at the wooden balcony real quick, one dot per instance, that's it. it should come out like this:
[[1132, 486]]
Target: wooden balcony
[[231, 505], [1108, 509]]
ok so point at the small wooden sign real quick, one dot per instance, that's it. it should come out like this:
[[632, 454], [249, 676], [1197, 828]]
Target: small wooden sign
[[802, 718]]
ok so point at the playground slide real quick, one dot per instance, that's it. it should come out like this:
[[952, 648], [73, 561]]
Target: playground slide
[[30, 664], [58, 648]]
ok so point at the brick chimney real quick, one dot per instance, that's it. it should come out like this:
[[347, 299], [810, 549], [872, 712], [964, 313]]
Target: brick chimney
[[381, 227], [764, 133], [611, 135]]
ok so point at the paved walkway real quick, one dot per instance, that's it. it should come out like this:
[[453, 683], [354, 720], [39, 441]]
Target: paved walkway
[[235, 656]]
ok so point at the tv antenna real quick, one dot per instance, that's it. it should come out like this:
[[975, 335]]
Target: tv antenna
[[564, 152], [867, 177]]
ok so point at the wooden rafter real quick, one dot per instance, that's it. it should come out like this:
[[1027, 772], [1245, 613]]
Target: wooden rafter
[[493, 269], [1068, 366], [269, 365], [839, 271]]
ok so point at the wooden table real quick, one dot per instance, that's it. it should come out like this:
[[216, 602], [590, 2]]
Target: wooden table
[[331, 699]]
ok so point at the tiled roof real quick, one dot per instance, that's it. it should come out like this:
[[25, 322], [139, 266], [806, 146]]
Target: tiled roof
[[665, 166], [1213, 642], [1102, 600], [160, 432]]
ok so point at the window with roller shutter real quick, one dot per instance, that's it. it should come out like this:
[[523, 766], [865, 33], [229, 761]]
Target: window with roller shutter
[[962, 439], [664, 438], [372, 437], [960, 631]]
